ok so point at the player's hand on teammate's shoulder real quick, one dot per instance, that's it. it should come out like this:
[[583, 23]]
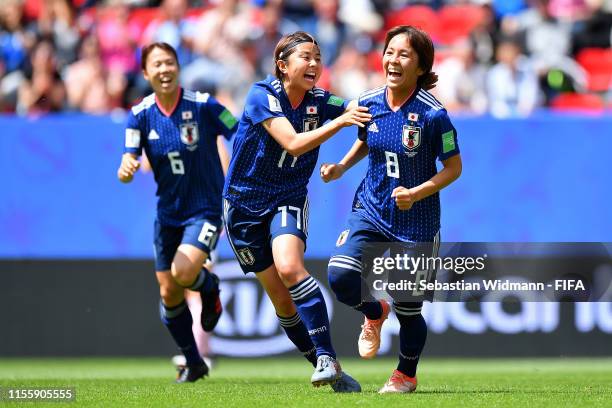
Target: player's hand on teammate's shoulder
[[331, 171], [129, 165], [404, 197], [354, 115]]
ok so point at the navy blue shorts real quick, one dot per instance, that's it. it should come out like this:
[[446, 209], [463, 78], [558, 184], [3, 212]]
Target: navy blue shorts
[[202, 233], [251, 236], [357, 239]]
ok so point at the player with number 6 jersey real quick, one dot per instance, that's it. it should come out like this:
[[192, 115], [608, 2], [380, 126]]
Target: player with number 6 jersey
[[398, 199], [266, 206], [179, 131]]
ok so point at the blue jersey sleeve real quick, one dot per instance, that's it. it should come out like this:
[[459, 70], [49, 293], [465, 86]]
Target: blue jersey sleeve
[[444, 136], [261, 104], [222, 120], [334, 106], [133, 135]]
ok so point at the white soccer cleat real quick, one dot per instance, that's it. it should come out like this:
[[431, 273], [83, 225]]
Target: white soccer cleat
[[369, 338], [328, 371], [399, 382]]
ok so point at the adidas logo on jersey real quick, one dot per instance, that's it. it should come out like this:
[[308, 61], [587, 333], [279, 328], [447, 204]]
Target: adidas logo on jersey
[[153, 135], [373, 128]]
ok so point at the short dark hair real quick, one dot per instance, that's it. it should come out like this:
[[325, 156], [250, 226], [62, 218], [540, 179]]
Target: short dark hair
[[146, 50], [423, 46], [286, 46]]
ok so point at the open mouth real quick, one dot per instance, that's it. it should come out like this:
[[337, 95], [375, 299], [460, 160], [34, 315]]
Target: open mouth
[[310, 77], [391, 73], [165, 81]]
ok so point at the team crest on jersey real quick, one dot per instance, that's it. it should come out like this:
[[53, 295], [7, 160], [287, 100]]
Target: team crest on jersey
[[310, 124], [246, 256], [190, 135], [342, 238], [411, 139]]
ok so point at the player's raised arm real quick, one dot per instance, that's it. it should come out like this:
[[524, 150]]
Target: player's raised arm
[[299, 143], [331, 171], [129, 165]]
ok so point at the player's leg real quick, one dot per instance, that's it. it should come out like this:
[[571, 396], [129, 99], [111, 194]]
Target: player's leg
[[286, 311], [174, 312], [345, 273], [249, 238], [199, 240], [413, 334], [288, 231]]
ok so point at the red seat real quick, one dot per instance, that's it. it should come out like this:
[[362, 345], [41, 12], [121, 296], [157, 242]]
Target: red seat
[[458, 21], [597, 62], [577, 102], [421, 17]]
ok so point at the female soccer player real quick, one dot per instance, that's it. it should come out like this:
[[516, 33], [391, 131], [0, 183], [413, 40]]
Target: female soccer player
[[266, 208], [178, 130], [398, 199]]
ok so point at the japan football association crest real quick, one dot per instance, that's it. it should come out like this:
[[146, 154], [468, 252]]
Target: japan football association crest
[[310, 124], [190, 135], [411, 139]]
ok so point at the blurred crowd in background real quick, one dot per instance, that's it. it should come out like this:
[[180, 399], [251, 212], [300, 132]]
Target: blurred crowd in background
[[502, 57]]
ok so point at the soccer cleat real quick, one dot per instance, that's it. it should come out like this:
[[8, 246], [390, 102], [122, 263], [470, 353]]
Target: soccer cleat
[[191, 373], [399, 382], [369, 338], [328, 371], [179, 361], [346, 383], [211, 306]]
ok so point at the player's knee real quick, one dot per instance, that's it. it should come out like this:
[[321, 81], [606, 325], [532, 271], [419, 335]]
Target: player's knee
[[290, 272], [346, 283], [184, 273]]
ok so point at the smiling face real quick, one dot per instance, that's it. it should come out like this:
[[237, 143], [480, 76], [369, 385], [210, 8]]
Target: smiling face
[[303, 67], [161, 70], [401, 64]]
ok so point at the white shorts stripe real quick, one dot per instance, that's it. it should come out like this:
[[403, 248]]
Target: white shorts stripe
[[344, 266]]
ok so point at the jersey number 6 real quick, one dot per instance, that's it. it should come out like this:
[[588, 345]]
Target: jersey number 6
[[176, 164]]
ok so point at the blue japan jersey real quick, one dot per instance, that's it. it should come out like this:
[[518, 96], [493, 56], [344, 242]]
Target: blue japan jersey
[[261, 172], [182, 150], [403, 148]]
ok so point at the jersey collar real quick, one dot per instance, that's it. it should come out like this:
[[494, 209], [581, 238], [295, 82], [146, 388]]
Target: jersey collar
[[179, 95], [405, 103]]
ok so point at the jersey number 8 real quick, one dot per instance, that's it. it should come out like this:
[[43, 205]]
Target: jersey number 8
[[392, 165]]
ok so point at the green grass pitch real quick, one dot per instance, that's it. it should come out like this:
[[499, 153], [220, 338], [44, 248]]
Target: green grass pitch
[[273, 382]]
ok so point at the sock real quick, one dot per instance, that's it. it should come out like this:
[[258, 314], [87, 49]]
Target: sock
[[372, 310], [345, 279], [204, 282], [413, 333], [311, 307], [178, 321], [298, 334]]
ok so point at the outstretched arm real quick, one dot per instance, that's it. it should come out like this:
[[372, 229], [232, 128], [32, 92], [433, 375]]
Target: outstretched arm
[[406, 197], [330, 171], [299, 143]]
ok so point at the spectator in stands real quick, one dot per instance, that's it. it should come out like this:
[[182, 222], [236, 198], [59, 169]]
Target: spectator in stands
[[117, 39], [512, 85], [57, 22], [220, 64], [42, 90], [460, 80], [174, 28]]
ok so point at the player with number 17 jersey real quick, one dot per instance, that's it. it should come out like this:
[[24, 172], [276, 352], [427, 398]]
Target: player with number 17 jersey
[[261, 172]]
